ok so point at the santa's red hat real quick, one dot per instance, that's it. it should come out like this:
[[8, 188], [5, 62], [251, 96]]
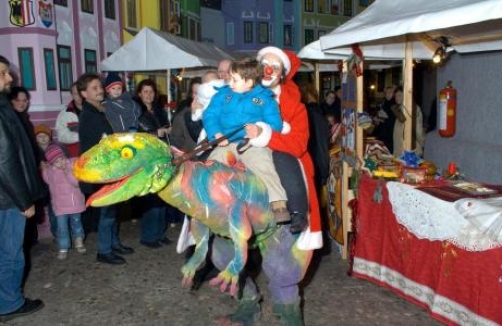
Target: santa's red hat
[[286, 63]]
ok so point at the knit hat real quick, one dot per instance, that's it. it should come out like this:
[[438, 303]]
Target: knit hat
[[44, 129], [113, 79], [278, 52], [53, 152]]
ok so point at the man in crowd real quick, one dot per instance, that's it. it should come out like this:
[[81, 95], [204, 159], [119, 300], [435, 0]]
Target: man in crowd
[[224, 70], [93, 124], [20, 187]]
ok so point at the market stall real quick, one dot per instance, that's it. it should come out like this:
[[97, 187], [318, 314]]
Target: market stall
[[453, 269], [424, 249], [411, 30]]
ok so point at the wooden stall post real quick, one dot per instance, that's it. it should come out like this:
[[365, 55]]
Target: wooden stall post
[[408, 95]]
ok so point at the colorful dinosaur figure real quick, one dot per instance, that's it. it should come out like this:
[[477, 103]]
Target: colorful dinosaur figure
[[226, 200]]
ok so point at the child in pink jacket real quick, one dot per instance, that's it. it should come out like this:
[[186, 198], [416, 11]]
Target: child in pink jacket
[[67, 200]]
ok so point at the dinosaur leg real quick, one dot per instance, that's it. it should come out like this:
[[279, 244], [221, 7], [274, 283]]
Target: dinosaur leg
[[240, 231], [248, 310], [201, 235], [285, 266]]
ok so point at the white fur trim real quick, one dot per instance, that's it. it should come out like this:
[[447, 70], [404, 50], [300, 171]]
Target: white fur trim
[[309, 240], [264, 138], [286, 128], [197, 115], [278, 52], [186, 238], [207, 90]]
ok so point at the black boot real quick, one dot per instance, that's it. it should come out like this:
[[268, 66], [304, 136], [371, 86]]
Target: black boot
[[298, 222]]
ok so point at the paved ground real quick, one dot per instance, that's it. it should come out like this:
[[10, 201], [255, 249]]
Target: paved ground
[[147, 291]]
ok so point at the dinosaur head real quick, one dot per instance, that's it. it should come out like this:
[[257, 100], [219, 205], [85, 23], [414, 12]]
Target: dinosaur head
[[129, 165]]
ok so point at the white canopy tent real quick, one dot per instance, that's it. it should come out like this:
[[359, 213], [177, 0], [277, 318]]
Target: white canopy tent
[[461, 25], [469, 25], [155, 50], [383, 51]]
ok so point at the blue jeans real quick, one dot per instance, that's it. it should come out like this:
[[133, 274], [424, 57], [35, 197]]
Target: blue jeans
[[12, 224], [107, 229], [77, 230], [153, 219]]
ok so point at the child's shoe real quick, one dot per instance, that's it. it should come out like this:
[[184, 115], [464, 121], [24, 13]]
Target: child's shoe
[[62, 254], [79, 245], [281, 213], [298, 222]]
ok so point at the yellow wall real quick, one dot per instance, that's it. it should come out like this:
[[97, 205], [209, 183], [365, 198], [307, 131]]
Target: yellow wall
[[147, 15]]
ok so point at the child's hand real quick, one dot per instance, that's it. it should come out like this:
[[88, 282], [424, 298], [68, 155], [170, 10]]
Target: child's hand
[[252, 131], [223, 142]]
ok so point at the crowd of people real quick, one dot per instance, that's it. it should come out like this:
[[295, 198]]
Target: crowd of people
[[253, 108], [37, 181]]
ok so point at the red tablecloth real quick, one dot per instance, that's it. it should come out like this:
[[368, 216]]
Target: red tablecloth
[[456, 286]]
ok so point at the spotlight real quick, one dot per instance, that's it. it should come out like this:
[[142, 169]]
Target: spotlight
[[440, 53]]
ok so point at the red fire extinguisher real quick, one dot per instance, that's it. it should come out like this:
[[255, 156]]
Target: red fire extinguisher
[[447, 110]]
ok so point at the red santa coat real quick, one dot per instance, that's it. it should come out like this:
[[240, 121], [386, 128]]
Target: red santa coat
[[295, 143]]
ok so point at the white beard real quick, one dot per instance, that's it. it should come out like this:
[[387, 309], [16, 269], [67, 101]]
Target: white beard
[[269, 83]]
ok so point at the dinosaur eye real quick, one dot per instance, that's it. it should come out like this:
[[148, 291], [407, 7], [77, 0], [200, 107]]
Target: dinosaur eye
[[128, 152]]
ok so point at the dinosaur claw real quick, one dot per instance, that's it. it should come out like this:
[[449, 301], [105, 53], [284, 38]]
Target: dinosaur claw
[[215, 281], [187, 281], [233, 289], [224, 284]]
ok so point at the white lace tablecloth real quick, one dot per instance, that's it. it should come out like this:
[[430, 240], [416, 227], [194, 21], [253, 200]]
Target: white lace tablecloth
[[428, 217]]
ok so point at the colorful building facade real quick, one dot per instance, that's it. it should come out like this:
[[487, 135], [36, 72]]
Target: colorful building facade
[[50, 43], [248, 25], [252, 24], [179, 17]]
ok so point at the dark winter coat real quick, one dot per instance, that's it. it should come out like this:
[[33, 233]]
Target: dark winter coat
[[318, 145], [20, 182], [185, 132], [150, 121], [93, 124]]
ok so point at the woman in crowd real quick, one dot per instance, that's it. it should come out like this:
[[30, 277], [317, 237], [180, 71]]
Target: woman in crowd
[[20, 99], [153, 119]]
